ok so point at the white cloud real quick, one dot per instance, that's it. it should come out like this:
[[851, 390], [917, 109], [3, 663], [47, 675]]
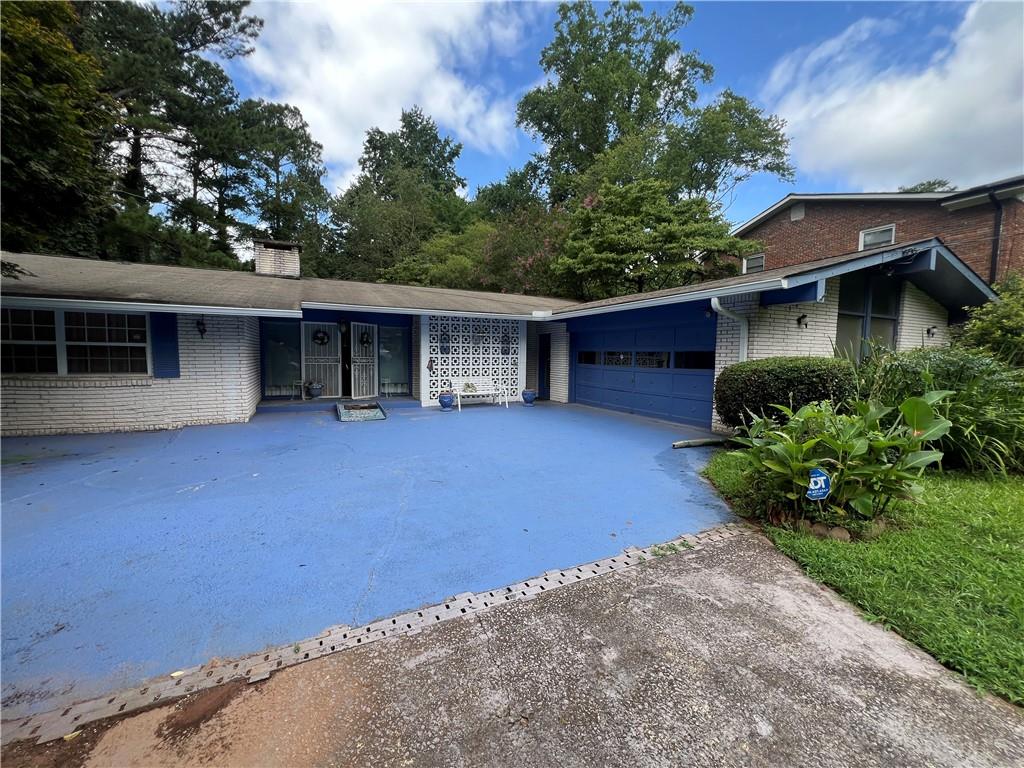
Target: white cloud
[[351, 66], [852, 113]]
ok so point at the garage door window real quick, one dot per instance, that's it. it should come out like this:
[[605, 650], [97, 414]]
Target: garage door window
[[618, 358], [652, 359], [586, 358], [700, 360]]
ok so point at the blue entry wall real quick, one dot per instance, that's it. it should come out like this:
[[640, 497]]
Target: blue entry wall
[[338, 316], [680, 391]]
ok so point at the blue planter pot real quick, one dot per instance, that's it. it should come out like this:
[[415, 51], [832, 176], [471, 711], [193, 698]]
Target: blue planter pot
[[447, 400], [529, 395]]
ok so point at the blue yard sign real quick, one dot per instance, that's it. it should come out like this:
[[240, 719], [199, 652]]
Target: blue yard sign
[[820, 486]]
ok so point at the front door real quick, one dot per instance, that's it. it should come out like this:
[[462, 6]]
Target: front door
[[321, 357], [364, 360]]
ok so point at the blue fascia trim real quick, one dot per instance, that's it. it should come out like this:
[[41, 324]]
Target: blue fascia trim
[[966, 271], [866, 262], [801, 294]]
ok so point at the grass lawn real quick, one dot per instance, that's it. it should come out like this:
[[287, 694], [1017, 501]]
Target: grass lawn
[[949, 575]]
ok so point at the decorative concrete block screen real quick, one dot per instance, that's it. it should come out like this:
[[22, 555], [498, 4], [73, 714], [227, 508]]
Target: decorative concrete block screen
[[461, 347]]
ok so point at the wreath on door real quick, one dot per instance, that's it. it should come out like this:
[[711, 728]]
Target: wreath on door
[[320, 337]]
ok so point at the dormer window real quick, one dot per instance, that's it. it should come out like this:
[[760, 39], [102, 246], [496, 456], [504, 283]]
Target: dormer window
[[753, 263], [877, 236]]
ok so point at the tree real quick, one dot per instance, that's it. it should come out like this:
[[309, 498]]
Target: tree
[[447, 260], [608, 77], [997, 327], [634, 237], [930, 185], [53, 120], [286, 166], [373, 232], [518, 191], [145, 51], [416, 146], [722, 145]]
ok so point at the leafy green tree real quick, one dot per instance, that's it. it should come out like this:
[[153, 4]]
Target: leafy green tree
[[516, 192], [608, 77], [374, 233], [998, 326], [634, 237], [53, 120], [417, 146], [930, 185], [448, 259], [520, 255], [286, 167], [720, 146]]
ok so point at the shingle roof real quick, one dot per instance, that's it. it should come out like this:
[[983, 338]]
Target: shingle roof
[[903, 197], [738, 282], [60, 277]]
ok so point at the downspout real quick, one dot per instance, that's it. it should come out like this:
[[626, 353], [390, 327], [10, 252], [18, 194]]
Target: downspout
[[744, 324], [997, 227]]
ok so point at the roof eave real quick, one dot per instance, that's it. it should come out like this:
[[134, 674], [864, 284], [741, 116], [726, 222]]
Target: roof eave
[[48, 302]]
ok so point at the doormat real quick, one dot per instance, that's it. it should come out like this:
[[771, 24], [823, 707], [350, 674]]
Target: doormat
[[360, 412]]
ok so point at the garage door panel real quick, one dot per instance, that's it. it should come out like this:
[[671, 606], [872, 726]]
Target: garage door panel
[[654, 383], [620, 340], [694, 411], [619, 379], [696, 384], [655, 338], [588, 376], [695, 337]]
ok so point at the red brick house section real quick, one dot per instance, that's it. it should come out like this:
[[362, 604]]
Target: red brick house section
[[833, 227]]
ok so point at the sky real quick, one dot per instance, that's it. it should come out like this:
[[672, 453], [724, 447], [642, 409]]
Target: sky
[[875, 95]]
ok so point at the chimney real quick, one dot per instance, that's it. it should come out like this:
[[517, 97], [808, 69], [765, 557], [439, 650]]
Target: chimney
[[277, 257]]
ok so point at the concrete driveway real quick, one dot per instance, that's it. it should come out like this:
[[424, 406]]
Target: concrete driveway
[[726, 656], [133, 555]]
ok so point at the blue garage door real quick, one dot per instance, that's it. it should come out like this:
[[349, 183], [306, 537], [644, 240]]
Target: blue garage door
[[660, 364]]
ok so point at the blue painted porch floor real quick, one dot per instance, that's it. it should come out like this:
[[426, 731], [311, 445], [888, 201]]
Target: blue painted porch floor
[[132, 555]]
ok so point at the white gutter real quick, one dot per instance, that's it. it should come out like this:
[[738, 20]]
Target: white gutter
[[415, 311], [744, 324], [675, 298], [140, 306]]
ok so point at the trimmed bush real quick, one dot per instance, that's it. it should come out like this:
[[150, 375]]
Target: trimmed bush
[[987, 407], [756, 385]]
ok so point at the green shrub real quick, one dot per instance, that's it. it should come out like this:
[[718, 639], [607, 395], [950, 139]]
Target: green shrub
[[987, 407], [755, 386], [869, 464], [998, 326]]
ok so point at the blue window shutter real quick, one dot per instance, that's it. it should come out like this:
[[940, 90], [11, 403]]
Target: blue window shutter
[[163, 328]]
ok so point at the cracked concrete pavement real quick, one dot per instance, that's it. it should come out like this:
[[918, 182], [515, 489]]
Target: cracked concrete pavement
[[727, 656]]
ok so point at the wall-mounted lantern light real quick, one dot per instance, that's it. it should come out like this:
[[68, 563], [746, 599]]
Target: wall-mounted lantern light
[[931, 330], [446, 343], [801, 321], [201, 327], [506, 344]]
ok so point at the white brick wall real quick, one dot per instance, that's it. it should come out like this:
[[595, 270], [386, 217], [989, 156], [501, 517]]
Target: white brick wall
[[220, 382], [918, 313], [559, 362], [774, 331], [280, 261]]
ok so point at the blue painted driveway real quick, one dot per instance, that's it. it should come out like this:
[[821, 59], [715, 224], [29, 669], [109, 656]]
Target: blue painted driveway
[[132, 555]]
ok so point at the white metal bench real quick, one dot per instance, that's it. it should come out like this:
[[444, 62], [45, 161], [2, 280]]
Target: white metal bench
[[477, 386]]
